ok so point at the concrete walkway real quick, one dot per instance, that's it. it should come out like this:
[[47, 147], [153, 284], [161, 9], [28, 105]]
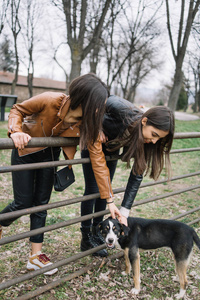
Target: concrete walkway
[[180, 115], [185, 117]]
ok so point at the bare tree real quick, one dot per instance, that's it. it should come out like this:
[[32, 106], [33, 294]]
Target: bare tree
[[182, 42], [56, 59], [194, 64], [128, 55], [162, 96], [4, 7], [15, 26], [32, 13], [138, 67], [78, 14], [96, 54], [7, 57]]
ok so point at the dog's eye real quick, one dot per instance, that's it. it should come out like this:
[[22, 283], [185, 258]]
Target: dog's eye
[[114, 227], [107, 227]]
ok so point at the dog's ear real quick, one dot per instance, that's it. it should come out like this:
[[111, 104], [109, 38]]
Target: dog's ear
[[125, 230]]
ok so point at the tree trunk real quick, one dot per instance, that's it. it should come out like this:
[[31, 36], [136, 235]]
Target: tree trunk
[[94, 59], [75, 67], [13, 87], [176, 88], [16, 75], [182, 41], [198, 88], [30, 84], [198, 100], [130, 95]]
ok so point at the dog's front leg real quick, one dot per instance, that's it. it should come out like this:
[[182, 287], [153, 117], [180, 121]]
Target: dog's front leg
[[134, 257]]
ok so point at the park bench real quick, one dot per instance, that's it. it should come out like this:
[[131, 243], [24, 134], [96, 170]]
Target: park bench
[[6, 101]]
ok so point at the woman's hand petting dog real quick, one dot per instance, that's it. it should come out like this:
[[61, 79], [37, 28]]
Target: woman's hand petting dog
[[114, 211], [123, 220]]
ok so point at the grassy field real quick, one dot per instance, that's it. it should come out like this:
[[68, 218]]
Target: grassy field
[[157, 267]]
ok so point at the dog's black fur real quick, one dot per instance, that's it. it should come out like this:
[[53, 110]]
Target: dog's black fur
[[151, 234]]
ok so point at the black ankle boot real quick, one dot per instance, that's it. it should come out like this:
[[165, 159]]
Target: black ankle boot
[[97, 236], [88, 242]]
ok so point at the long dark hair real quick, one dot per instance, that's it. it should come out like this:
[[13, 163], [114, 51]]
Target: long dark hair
[[91, 93], [149, 157]]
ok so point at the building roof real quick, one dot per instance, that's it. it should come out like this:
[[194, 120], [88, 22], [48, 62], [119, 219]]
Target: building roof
[[7, 78]]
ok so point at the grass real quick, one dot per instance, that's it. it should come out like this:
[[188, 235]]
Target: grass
[[157, 267]]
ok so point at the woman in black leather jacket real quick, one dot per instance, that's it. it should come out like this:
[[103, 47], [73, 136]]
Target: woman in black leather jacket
[[146, 137]]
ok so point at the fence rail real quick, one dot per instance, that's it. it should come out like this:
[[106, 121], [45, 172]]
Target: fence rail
[[7, 143], [55, 142]]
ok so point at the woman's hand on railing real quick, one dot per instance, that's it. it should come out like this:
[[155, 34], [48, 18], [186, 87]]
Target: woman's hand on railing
[[20, 139]]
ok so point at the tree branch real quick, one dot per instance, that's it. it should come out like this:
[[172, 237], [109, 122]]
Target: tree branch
[[169, 29], [67, 10], [82, 22], [180, 27], [191, 15], [97, 30], [60, 65]]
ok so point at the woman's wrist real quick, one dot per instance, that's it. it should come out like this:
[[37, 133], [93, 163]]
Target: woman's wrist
[[124, 211], [109, 202]]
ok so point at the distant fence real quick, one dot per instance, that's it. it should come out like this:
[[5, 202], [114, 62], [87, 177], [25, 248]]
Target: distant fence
[[55, 142]]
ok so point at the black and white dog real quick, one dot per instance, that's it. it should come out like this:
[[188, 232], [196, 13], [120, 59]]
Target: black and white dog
[[149, 234]]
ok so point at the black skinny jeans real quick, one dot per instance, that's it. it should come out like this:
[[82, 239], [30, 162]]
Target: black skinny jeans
[[94, 205], [32, 188]]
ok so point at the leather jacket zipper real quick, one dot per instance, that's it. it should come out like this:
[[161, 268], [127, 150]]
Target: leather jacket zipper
[[109, 188]]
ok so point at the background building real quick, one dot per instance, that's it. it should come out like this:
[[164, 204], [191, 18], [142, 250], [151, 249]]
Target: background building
[[40, 85]]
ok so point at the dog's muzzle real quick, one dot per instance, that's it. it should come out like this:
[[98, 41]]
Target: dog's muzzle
[[110, 243]]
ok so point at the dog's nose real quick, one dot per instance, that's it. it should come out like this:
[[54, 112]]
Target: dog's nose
[[110, 241]]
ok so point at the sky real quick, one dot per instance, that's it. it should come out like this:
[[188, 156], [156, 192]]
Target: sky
[[52, 31]]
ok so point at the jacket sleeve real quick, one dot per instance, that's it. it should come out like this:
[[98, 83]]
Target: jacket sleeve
[[132, 187], [100, 169], [32, 106], [19, 111]]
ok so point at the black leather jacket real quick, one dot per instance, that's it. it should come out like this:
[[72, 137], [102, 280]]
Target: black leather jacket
[[119, 114]]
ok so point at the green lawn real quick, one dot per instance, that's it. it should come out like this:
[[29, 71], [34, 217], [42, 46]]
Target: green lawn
[[157, 267]]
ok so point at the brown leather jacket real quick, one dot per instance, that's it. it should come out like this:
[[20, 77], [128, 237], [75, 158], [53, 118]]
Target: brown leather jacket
[[43, 116]]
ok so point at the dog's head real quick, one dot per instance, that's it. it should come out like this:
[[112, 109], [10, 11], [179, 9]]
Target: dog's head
[[111, 230]]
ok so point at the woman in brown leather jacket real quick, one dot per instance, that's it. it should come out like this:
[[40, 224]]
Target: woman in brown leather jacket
[[146, 137], [47, 115]]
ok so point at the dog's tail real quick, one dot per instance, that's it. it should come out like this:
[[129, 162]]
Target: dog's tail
[[196, 239]]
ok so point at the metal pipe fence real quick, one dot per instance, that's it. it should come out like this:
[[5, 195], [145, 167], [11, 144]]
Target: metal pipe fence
[[55, 142]]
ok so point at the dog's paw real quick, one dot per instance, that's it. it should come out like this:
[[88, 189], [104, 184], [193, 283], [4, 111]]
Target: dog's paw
[[135, 291], [180, 295]]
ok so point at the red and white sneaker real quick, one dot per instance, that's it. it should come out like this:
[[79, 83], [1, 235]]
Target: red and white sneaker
[[38, 261]]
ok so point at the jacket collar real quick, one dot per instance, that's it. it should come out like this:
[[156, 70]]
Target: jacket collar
[[64, 108]]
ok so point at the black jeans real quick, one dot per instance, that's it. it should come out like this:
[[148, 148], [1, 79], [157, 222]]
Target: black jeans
[[94, 205], [32, 188]]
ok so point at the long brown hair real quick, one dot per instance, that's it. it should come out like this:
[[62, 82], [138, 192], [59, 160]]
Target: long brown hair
[[91, 93], [149, 157]]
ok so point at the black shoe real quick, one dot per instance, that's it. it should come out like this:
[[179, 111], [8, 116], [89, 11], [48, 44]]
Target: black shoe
[[97, 236], [88, 242]]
